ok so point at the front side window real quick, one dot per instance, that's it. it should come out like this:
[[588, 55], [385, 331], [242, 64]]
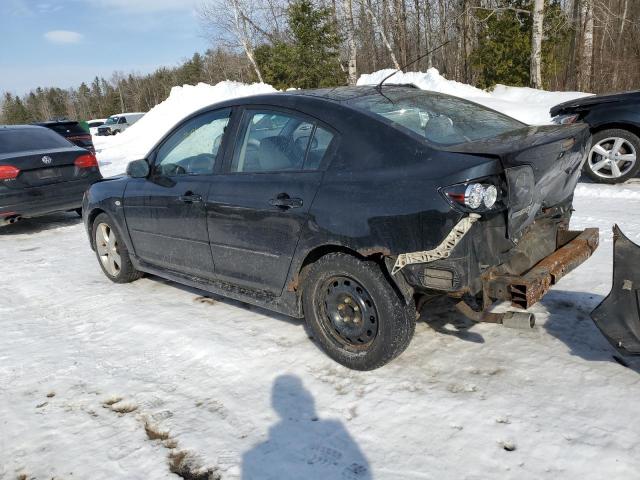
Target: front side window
[[193, 148], [438, 118], [277, 142]]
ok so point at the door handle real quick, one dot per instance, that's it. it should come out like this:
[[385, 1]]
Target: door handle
[[285, 202], [190, 197]]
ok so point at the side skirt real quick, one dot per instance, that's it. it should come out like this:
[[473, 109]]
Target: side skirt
[[285, 304]]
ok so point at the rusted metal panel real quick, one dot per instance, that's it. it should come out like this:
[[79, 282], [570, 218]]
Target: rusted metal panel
[[526, 289]]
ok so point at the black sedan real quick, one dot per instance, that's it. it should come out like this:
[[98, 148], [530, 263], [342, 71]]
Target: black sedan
[[614, 121], [41, 172], [349, 207]]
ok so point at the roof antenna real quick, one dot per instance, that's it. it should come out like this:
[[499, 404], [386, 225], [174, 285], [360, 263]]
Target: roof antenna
[[379, 86]]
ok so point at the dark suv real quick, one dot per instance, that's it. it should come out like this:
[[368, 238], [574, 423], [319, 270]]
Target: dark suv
[[350, 206], [72, 131]]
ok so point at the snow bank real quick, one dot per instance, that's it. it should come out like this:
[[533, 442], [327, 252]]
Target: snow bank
[[526, 104], [134, 143]]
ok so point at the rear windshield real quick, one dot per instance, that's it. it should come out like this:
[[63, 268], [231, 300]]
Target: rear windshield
[[67, 128], [440, 119], [21, 139]]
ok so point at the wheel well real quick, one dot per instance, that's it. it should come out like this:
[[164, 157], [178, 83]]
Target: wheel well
[[92, 217], [623, 126], [372, 254]]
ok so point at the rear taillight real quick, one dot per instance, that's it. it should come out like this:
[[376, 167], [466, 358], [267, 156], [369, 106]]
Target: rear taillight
[[8, 172], [477, 196], [86, 161]]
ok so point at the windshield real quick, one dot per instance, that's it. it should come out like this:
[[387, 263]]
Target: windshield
[[111, 120], [440, 119]]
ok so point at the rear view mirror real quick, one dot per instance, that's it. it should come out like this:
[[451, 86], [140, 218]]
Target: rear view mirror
[[138, 169]]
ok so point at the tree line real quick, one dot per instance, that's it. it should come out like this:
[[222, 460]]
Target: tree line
[[586, 45]]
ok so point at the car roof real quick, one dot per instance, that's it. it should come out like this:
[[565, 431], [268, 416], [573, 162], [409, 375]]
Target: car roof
[[343, 94], [21, 127], [55, 122]]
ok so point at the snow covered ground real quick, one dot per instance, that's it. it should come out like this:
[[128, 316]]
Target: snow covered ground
[[106, 381], [526, 104]]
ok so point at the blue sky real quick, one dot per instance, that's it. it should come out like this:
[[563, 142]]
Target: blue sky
[[64, 42]]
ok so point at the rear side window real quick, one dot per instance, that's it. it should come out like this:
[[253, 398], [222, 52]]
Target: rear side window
[[67, 128], [440, 119], [23, 139], [279, 142]]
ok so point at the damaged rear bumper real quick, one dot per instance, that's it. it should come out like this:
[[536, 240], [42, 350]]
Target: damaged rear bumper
[[618, 316], [572, 249]]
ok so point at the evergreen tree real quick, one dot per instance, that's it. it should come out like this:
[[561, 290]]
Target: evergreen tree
[[310, 58]]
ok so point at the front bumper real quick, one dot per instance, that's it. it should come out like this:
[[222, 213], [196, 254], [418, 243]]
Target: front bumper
[[527, 288]]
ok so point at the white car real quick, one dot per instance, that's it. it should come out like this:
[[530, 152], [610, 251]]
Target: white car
[[94, 124], [119, 123]]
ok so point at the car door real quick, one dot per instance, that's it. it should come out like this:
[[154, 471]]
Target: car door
[[165, 212], [259, 206]]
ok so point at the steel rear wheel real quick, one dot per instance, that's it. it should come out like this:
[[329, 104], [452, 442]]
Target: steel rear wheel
[[354, 313], [349, 313], [613, 157], [112, 252]]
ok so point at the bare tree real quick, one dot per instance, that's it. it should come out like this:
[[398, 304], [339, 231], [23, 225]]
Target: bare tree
[[584, 64], [231, 18], [536, 43], [385, 40], [351, 42]]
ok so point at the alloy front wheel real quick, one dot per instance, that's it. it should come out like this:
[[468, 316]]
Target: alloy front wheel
[[112, 252], [107, 248], [613, 157]]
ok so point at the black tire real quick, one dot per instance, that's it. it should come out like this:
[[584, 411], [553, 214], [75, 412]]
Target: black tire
[[78, 211], [392, 319], [126, 272], [631, 142]]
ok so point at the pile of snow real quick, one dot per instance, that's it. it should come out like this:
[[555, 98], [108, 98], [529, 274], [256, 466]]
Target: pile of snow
[[526, 104], [134, 143]]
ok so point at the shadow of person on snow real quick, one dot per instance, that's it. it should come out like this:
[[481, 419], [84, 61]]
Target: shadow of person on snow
[[301, 445], [441, 315], [569, 320]]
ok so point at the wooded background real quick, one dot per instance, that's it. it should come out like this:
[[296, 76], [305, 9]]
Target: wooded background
[[585, 45]]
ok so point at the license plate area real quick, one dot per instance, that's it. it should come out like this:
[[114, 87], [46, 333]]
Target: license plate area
[[48, 173]]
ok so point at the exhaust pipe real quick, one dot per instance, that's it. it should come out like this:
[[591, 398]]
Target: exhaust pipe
[[10, 220], [519, 320]]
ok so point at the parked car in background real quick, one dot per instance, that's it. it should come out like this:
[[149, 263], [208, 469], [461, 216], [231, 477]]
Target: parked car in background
[[41, 172], [94, 124], [119, 123], [614, 121], [72, 131], [349, 206]]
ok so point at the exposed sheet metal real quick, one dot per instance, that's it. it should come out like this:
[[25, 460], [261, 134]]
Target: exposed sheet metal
[[441, 251], [618, 316]]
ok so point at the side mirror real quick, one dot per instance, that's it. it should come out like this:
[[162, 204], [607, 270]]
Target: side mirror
[[138, 169]]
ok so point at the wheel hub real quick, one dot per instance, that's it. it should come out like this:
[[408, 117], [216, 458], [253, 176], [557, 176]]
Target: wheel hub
[[350, 313]]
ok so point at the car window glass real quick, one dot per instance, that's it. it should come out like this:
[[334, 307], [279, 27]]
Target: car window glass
[[318, 148], [272, 142], [122, 120], [193, 148], [36, 138], [438, 118]]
